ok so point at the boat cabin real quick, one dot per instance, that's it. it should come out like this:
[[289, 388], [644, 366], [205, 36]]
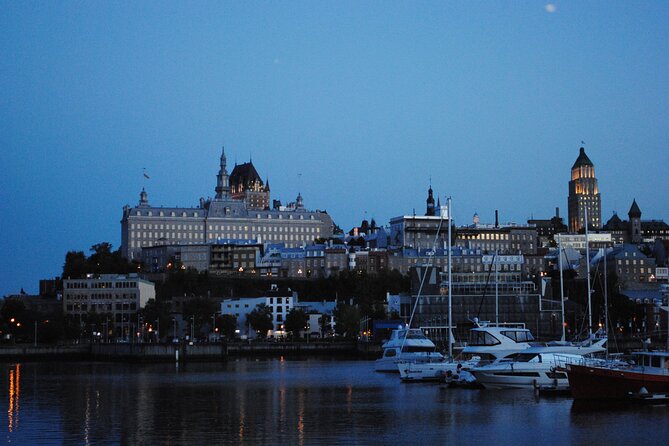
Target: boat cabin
[[657, 359]]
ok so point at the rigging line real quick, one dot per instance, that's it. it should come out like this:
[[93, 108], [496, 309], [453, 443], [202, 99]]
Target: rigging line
[[485, 288], [422, 281]]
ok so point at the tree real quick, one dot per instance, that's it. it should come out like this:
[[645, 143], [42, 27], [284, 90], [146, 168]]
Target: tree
[[296, 321], [348, 320], [324, 324], [227, 323], [157, 314], [102, 261], [201, 310], [75, 265], [261, 319]]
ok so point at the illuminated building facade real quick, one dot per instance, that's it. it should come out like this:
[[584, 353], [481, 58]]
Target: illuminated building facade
[[584, 194], [222, 217]]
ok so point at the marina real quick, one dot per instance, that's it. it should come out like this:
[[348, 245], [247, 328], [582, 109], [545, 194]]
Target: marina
[[294, 401]]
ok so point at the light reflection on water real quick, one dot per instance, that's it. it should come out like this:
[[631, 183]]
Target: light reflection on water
[[273, 401]]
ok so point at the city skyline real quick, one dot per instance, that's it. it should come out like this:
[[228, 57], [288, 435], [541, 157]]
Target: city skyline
[[357, 107]]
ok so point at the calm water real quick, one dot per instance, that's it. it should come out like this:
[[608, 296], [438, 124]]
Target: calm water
[[292, 402]]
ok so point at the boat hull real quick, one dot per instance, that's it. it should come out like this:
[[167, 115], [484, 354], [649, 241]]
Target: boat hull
[[520, 379], [588, 382], [417, 372]]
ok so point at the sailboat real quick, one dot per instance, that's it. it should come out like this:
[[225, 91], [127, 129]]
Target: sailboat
[[446, 368]]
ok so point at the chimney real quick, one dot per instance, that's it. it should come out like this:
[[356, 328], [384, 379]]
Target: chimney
[[557, 212], [496, 218]]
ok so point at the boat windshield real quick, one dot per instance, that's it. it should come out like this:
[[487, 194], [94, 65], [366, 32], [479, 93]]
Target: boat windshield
[[414, 334], [477, 338], [519, 335], [523, 357], [414, 348]]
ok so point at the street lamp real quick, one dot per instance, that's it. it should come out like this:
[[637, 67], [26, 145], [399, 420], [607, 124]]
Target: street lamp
[[213, 326]]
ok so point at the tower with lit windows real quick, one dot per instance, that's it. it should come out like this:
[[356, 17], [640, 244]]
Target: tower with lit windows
[[584, 194]]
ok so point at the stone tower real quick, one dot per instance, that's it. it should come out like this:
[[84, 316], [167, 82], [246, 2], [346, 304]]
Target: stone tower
[[584, 194], [635, 222]]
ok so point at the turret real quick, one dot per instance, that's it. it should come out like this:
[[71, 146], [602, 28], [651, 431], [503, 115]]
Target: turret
[[430, 202], [222, 184], [143, 198], [635, 222]]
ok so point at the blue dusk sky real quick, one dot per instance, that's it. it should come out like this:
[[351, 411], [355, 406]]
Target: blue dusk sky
[[356, 105]]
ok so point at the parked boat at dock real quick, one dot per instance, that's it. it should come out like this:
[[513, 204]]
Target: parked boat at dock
[[648, 374], [406, 344]]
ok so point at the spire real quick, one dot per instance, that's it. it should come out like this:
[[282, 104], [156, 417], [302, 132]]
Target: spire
[[143, 198], [582, 160], [634, 212], [222, 182], [430, 201]]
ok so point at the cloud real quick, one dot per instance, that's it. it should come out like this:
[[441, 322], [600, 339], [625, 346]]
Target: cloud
[[550, 8]]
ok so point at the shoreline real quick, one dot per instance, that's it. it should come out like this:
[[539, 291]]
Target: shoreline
[[182, 352]]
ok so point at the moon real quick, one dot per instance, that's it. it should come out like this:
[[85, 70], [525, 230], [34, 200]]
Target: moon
[[550, 8]]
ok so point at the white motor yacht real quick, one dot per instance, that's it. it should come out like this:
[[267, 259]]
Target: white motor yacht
[[487, 343], [445, 370], [491, 343], [531, 368], [406, 344]]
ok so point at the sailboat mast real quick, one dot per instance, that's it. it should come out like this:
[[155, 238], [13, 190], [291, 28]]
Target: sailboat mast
[[587, 264], [450, 283], [606, 299], [496, 262], [564, 337]]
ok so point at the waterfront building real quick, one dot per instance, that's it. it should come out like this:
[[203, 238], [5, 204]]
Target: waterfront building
[[280, 302], [577, 241], [547, 228], [293, 263], [234, 257], [415, 231], [118, 296], [508, 239], [636, 230], [473, 295], [314, 261], [162, 258], [629, 263], [320, 316], [222, 217], [584, 194], [336, 260], [222, 257]]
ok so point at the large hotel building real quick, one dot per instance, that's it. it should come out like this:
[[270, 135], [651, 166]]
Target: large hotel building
[[240, 210]]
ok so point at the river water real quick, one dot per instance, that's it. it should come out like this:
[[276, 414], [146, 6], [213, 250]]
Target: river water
[[293, 402]]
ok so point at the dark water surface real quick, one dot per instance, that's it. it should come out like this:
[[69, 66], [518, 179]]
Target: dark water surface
[[293, 402]]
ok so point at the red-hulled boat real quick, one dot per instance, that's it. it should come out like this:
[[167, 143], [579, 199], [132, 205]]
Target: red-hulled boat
[[649, 374]]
